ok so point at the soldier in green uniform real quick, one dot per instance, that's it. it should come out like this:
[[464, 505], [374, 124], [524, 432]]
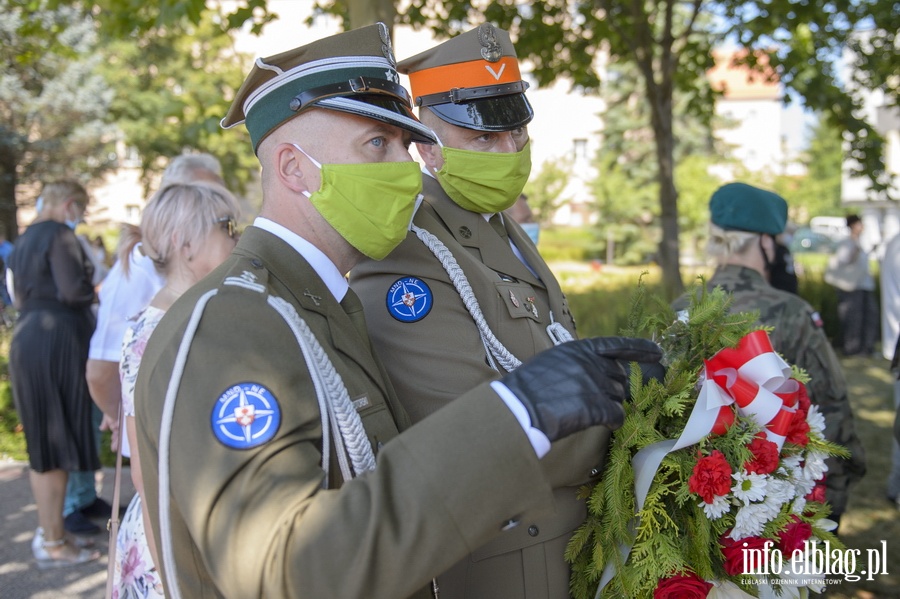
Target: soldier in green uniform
[[466, 297], [745, 221], [277, 459]]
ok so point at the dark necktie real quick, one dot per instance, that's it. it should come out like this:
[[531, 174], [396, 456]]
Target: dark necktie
[[353, 307], [496, 222]]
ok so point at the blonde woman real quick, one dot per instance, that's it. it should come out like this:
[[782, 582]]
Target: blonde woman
[[186, 230]]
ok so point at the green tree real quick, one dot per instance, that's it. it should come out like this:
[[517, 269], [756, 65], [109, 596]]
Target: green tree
[[818, 193], [173, 85], [545, 188], [627, 169], [53, 103]]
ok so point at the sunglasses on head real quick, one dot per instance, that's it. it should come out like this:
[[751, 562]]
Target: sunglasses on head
[[228, 224]]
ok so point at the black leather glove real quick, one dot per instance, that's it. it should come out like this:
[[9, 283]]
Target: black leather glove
[[579, 384]]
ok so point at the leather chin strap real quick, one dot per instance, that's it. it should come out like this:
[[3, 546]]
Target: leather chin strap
[[769, 263], [358, 85]]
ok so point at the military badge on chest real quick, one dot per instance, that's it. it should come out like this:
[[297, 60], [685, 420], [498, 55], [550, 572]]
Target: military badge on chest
[[245, 415], [409, 299]]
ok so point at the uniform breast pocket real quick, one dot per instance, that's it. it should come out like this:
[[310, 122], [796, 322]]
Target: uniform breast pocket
[[520, 299]]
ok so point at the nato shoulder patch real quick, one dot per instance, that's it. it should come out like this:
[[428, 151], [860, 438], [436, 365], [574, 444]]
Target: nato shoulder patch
[[245, 415], [409, 299]]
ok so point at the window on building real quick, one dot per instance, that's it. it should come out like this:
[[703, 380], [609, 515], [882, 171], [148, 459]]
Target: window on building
[[579, 149], [132, 213]]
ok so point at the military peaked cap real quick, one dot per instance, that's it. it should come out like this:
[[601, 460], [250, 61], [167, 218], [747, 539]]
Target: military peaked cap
[[471, 81], [352, 72], [742, 207]]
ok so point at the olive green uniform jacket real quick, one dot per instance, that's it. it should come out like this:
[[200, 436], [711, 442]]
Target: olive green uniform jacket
[[437, 358], [799, 338], [257, 522]]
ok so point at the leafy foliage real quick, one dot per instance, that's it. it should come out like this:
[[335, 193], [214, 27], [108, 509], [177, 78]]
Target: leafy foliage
[[173, 86], [53, 103]]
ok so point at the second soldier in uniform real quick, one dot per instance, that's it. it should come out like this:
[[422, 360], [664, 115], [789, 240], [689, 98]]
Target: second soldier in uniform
[[466, 297]]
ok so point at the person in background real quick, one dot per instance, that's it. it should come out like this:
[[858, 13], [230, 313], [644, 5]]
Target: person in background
[[6, 248], [521, 213], [187, 229], [122, 296], [53, 291], [744, 221], [848, 271], [468, 290], [890, 329], [261, 407], [783, 270]]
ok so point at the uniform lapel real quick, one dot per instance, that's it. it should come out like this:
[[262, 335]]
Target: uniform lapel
[[472, 231], [305, 289]]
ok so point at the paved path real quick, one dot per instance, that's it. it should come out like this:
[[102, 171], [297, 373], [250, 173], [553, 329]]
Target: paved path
[[19, 576]]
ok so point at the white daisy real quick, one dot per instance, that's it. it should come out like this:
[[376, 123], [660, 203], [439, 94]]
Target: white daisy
[[749, 486], [718, 508], [815, 420], [814, 468], [781, 490], [749, 521], [798, 505], [773, 506]]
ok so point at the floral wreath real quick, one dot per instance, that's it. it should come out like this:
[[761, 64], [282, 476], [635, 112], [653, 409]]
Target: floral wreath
[[718, 467]]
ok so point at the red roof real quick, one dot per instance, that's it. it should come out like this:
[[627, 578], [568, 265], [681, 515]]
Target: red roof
[[742, 82]]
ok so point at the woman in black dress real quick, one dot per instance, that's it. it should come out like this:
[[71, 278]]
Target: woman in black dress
[[53, 292]]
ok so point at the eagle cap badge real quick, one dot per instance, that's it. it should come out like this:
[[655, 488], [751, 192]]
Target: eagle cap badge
[[490, 47]]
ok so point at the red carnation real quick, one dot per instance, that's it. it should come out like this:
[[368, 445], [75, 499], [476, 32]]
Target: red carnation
[[733, 551], [711, 476], [682, 586], [817, 494], [798, 434], [794, 534], [765, 456]]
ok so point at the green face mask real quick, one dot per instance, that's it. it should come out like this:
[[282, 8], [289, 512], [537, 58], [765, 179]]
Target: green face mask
[[484, 182], [370, 204]]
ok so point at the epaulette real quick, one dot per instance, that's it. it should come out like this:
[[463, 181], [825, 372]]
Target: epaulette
[[246, 273]]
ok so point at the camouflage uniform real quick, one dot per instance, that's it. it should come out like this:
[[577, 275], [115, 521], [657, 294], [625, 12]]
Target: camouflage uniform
[[799, 338]]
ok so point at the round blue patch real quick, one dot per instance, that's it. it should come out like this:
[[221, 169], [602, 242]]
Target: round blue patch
[[245, 415], [409, 299]]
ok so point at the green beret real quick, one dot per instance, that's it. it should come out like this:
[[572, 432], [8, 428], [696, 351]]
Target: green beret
[[742, 207], [351, 72]]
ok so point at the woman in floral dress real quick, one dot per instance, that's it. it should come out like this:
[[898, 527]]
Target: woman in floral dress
[[187, 230]]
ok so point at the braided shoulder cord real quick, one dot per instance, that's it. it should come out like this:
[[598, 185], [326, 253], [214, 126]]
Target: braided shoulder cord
[[495, 348], [349, 433]]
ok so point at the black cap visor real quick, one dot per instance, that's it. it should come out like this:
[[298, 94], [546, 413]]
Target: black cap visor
[[382, 108], [499, 113]]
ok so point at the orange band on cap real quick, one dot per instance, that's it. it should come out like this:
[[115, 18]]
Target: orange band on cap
[[476, 73]]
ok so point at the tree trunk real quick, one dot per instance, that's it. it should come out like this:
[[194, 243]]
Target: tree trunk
[[669, 260], [367, 12], [8, 180]]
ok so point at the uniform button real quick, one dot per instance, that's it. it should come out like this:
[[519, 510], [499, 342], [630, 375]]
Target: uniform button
[[595, 472], [533, 530], [256, 263], [509, 524]]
